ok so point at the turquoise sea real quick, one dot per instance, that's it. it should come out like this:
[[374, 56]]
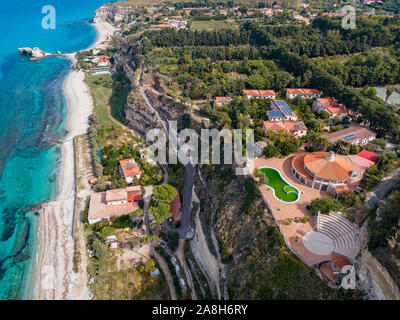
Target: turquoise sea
[[32, 112]]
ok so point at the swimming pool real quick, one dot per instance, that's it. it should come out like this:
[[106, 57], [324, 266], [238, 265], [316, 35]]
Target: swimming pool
[[283, 191]]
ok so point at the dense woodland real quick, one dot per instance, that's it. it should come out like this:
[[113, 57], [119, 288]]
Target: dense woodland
[[322, 55]]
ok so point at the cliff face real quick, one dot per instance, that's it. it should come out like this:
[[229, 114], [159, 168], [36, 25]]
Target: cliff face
[[115, 12]]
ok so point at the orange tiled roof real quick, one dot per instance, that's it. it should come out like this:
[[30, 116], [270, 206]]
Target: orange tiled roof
[[251, 92], [287, 125], [335, 109], [175, 207], [312, 91], [295, 91], [339, 169], [129, 168], [266, 92], [223, 99], [327, 101]]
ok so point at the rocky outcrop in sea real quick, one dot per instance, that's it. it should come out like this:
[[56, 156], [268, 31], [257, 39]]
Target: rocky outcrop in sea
[[36, 53]]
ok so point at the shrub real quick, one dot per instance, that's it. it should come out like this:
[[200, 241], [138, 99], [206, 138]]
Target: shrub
[[173, 240], [325, 205]]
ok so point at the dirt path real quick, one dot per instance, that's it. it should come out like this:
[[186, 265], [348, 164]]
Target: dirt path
[[167, 273], [181, 257], [203, 255]]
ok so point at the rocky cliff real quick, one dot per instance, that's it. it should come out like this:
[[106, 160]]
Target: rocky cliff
[[36, 53], [115, 12]]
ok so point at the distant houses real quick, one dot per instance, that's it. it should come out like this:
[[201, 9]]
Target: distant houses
[[259, 94], [129, 170], [354, 134], [222, 100], [113, 203], [281, 111], [296, 128], [329, 105], [102, 61], [303, 93]]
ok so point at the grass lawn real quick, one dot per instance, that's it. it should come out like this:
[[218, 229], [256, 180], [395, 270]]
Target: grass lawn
[[109, 99], [283, 191], [212, 25]]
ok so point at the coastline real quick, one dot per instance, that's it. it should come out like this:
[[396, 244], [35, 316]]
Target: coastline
[[53, 275]]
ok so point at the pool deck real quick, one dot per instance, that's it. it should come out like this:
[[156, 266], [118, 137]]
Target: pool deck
[[281, 211]]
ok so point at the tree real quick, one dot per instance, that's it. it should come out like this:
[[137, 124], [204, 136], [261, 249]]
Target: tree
[[261, 176], [164, 193], [173, 240], [100, 250], [270, 151], [325, 205], [389, 91], [349, 198], [160, 212]]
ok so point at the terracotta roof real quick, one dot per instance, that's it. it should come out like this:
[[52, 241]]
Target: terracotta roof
[[98, 208], [223, 99], [295, 91], [115, 195], [267, 92], [134, 193], [340, 261], [175, 206], [129, 168], [339, 169], [287, 125], [327, 101], [335, 109], [368, 155], [312, 91], [251, 92], [360, 161]]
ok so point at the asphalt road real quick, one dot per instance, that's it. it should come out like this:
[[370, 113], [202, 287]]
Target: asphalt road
[[189, 173]]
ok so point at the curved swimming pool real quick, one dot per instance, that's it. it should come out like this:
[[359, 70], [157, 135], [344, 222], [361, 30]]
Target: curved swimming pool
[[283, 191]]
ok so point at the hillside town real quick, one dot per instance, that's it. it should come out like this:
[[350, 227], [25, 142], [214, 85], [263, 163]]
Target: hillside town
[[322, 105]]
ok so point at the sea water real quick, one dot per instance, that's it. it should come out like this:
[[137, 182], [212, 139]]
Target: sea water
[[33, 113]]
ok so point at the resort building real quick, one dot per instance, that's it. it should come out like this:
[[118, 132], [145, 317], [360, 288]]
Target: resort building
[[303, 93], [113, 203], [354, 134], [326, 171], [364, 159], [102, 61], [331, 106], [296, 128], [260, 94], [260, 146], [129, 170], [222, 100], [280, 111]]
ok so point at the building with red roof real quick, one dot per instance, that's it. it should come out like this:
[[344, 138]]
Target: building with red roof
[[113, 203], [373, 157], [129, 170], [222, 100], [296, 128], [259, 94], [364, 159], [176, 207], [303, 93], [329, 105]]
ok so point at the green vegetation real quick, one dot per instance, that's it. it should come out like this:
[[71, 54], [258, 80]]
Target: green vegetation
[[160, 212], [325, 205], [282, 190], [384, 242], [164, 193], [210, 25], [173, 240]]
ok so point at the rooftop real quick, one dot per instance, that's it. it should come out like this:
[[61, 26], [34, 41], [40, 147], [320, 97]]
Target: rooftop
[[129, 168], [328, 166], [353, 132]]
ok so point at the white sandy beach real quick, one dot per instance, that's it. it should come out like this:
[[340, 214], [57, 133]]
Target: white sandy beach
[[54, 277]]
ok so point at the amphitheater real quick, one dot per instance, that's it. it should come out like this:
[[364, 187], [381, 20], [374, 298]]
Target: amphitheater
[[333, 233]]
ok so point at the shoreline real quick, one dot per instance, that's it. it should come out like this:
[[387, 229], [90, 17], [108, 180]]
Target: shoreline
[[53, 275]]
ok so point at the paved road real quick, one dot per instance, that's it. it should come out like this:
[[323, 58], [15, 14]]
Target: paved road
[[189, 171]]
